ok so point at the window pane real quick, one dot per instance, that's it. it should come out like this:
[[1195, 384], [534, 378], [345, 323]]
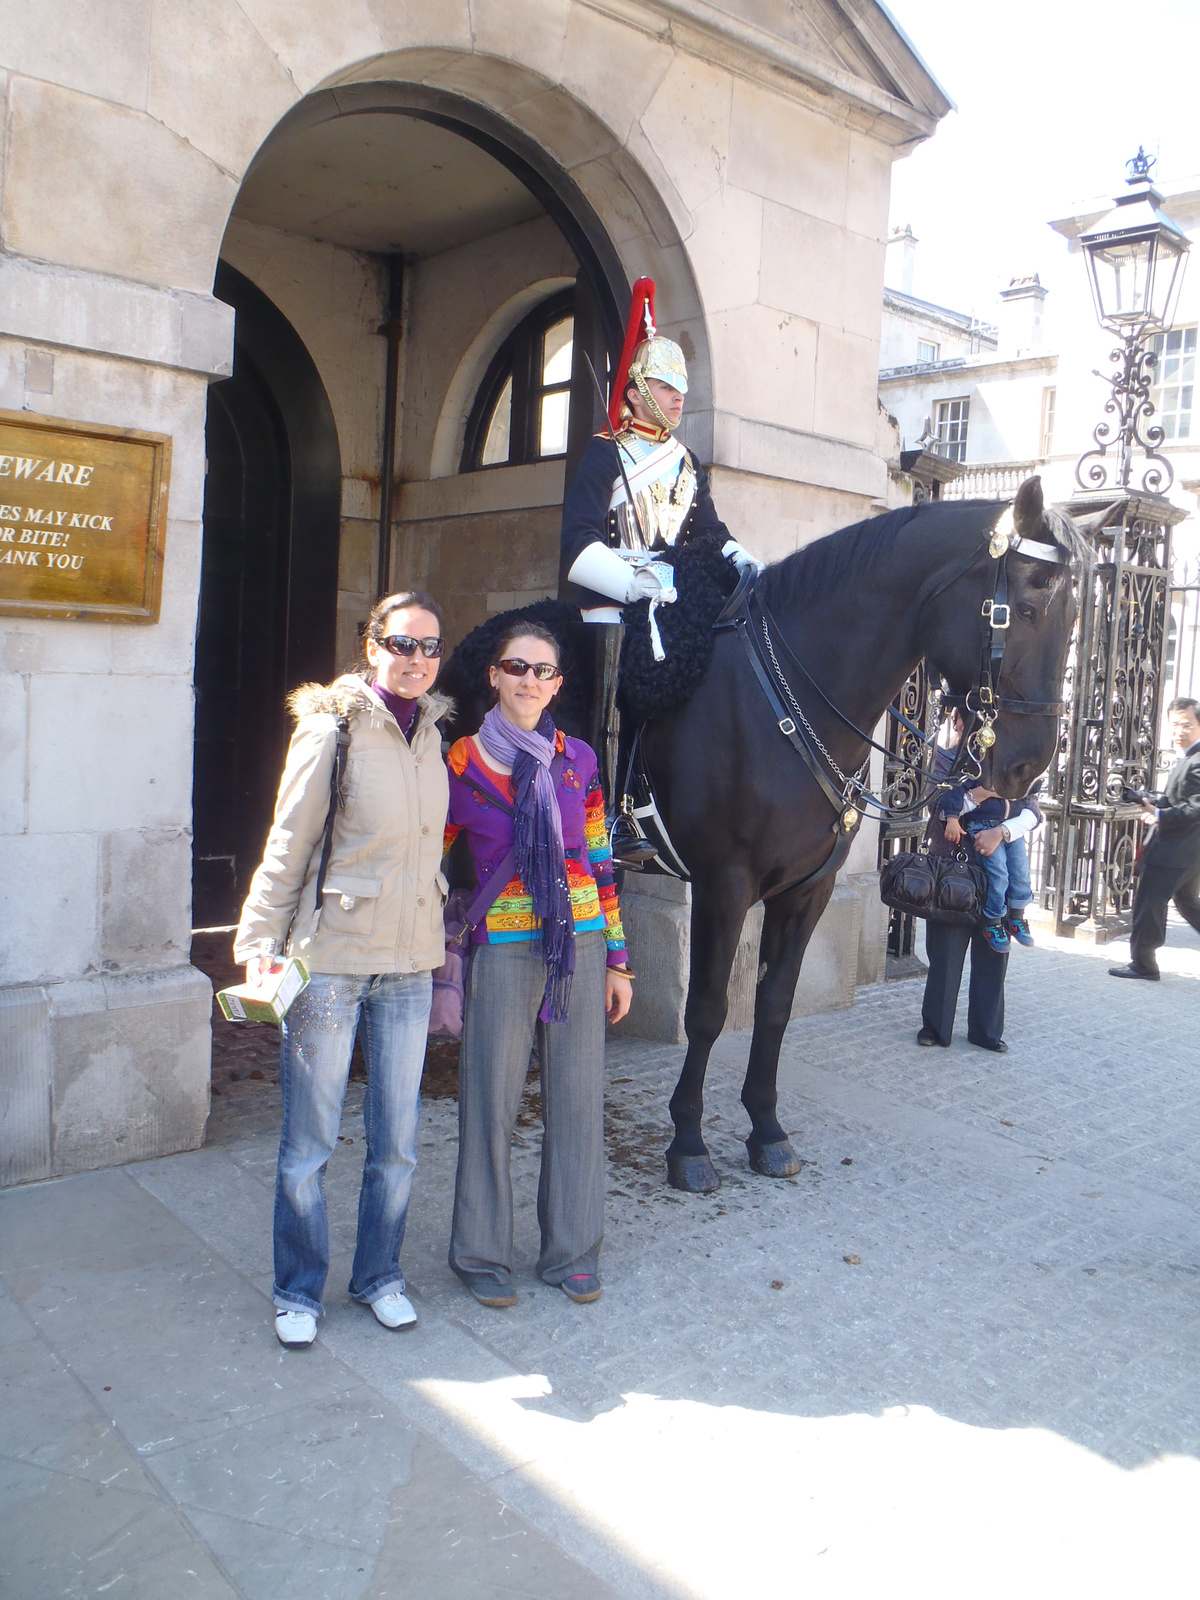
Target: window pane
[[556, 353], [555, 408], [495, 444], [953, 417]]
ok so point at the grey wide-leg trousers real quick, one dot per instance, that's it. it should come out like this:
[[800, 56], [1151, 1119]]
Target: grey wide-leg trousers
[[505, 988]]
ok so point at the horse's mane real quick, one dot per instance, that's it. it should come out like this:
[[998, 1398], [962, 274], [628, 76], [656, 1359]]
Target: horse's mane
[[829, 565]]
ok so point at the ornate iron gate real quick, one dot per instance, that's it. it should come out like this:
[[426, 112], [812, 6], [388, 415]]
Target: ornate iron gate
[[1084, 859]]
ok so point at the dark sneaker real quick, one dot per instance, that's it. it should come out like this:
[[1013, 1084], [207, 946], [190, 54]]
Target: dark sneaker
[[582, 1287], [997, 937], [1018, 928], [1133, 972], [491, 1293]]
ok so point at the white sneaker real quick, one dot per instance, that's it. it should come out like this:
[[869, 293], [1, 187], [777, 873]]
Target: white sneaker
[[295, 1329], [394, 1311]]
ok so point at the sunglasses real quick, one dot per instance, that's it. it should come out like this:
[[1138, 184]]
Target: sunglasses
[[543, 671], [399, 644]]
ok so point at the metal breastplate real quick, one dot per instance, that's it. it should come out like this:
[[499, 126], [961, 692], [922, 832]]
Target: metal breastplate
[[663, 505]]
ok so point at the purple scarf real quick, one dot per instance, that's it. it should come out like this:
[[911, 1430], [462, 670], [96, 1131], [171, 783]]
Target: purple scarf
[[538, 843]]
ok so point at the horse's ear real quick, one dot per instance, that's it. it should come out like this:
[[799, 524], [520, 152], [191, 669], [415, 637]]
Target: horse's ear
[[1029, 509]]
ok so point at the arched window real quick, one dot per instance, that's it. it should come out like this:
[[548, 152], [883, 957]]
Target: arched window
[[523, 405]]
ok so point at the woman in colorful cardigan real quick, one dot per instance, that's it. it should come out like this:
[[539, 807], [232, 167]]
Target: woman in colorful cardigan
[[548, 962]]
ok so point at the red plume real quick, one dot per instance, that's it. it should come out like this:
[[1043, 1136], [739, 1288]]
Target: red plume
[[640, 326]]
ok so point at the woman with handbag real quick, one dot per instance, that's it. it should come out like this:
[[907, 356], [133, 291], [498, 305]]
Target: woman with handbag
[[947, 943], [351, 883], [547, 965]]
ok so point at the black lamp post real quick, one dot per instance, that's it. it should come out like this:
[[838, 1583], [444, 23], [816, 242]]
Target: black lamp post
[[1135, 261]]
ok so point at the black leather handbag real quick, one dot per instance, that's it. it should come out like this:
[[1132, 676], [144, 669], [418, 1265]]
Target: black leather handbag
[[949, 889]]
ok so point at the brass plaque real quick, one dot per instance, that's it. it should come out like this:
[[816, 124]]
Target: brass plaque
[[83, 519]]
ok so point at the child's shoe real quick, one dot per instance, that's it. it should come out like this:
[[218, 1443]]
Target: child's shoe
[[1018, 927], [997, 937]]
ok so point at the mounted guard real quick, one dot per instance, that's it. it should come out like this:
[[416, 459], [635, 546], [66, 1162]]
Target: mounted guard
[[638, 495]]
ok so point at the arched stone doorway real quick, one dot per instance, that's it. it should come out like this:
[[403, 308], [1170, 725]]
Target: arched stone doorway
[[400, 204], [379, 206]]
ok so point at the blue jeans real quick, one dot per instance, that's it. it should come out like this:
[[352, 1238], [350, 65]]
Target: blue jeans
[[1007, 868], [317, 1043]]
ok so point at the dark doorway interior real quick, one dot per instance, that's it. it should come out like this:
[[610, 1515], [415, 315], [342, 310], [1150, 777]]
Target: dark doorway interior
[[268, 587]]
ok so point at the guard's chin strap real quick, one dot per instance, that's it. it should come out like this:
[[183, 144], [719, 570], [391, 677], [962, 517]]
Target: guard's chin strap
[[652, 405]]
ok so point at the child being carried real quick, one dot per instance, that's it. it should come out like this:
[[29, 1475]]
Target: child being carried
[[1007, 867]]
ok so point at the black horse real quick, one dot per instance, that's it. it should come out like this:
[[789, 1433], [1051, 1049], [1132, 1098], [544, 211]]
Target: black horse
[[857, 610]]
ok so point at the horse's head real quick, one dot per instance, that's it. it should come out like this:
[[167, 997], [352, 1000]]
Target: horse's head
[[1042, 608]]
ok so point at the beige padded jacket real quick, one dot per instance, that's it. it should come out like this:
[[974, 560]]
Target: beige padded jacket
[[384, 889]]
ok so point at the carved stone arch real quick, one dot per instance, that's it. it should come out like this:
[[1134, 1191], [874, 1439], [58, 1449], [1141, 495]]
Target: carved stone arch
[[619, 222]]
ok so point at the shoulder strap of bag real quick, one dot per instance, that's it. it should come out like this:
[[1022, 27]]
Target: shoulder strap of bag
[[502, 877], [337, 800]]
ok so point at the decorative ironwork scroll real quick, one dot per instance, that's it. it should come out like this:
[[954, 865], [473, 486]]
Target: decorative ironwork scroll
[[1131, 406]]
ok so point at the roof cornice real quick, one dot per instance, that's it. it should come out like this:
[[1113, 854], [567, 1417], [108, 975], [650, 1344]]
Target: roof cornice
[[904, 115]]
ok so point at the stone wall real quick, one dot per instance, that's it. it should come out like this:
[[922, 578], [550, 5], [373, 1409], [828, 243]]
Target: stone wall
[[104, 1030]]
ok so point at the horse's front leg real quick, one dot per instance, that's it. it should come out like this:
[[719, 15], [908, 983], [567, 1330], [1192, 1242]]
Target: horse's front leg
[[718, 911], [788, 923]]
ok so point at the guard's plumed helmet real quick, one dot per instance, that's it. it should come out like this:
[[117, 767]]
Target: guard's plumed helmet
[[646, 354], [662, 359]]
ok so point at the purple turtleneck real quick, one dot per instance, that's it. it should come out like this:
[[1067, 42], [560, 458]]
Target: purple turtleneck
[[404, 711]]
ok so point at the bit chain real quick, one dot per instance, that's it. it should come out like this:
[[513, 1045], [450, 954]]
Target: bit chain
[[849, 784]]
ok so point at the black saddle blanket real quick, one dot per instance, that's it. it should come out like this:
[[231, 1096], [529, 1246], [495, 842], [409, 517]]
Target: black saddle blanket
[[704, 580]]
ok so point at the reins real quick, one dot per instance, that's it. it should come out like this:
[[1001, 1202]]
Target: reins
[[747, 614]]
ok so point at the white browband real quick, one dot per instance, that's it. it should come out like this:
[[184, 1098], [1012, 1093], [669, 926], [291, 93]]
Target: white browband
[[1038, 550], [1005, 537]]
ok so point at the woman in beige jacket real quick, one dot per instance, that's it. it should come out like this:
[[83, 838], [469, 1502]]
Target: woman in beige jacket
[[370, 947]]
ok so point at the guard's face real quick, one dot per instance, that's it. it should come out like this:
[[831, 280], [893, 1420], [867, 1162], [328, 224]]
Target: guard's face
[[1185, 730], [666, 397]]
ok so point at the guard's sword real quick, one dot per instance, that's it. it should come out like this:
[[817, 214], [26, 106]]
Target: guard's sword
[[620, 458]]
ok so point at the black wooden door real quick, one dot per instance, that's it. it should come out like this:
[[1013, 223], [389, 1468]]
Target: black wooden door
[[268, 588]]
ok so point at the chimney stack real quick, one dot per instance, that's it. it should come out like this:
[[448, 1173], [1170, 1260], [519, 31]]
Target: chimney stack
[[1021, 317], [900, 259]]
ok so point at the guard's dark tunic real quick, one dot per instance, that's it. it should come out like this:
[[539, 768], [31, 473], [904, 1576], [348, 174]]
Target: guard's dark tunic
[[586, 514]]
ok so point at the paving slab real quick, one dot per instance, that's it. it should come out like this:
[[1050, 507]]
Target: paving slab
[[960, 1349]]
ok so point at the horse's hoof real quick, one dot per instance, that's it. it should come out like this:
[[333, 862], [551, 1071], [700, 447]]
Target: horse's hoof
[[694, 1174], [773, 1160]]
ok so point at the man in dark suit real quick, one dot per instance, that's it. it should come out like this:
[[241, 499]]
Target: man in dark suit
[[1171, 859]]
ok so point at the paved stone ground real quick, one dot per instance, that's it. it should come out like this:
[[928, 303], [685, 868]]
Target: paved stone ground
[[960, 1351]]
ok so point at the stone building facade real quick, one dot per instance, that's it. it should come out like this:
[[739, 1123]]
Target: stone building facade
[[209, 212]]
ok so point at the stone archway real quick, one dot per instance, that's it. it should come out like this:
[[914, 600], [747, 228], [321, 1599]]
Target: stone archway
[[364, 131]]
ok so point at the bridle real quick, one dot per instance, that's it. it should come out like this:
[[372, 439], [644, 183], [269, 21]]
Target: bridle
[[747, 614], [983, 702]]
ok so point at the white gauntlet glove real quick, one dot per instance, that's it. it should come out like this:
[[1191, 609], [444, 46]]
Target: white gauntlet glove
[[599, 568], [741, 557], [623, 577]]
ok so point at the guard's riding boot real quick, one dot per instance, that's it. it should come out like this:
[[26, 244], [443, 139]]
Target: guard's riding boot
[[628, 848]]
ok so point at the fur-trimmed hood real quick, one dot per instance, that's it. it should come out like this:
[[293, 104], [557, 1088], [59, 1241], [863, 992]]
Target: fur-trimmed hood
[[349, 693]]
